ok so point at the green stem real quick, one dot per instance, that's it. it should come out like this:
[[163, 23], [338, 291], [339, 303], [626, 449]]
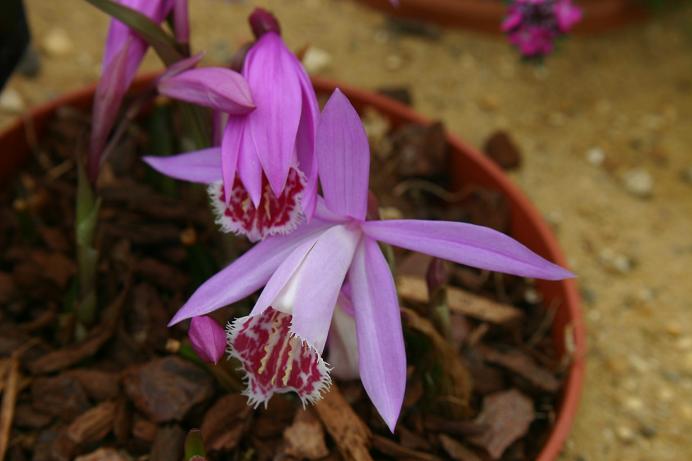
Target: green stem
[[87, 256]]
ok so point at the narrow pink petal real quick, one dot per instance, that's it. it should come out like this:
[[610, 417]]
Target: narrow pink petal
[[343, 155], [181, 21], [202, 166], [119, 33], [108, 97], [231, 143], [381, 351], [305, 142], [271, 73], [310, 293], [208, 338], [325, 214], [182, 65], [123, 53], [467, 244], [250, 169], [214, 87], [245, 275]]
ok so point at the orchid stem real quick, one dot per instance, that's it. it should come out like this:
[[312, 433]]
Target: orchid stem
[[440, 314], [87, 256]]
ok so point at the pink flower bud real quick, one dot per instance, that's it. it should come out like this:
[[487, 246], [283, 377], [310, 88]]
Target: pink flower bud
[[181, 21], [208, 338], [262, 21], [437, 275]]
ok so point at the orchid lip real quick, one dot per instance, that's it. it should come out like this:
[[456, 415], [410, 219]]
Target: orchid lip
[[275, 359]]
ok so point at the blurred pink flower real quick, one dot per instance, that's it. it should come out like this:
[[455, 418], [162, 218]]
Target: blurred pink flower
[[533, 26]]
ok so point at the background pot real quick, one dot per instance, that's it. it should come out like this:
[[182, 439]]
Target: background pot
[[469, 166], [487, 15]]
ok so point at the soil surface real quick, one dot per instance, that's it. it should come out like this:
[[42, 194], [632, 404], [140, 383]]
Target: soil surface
[[603, 127]]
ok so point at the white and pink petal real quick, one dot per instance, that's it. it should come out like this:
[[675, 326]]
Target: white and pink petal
[[276, 360], [236, 211]]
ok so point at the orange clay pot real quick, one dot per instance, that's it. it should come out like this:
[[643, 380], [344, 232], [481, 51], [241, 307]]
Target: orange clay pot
[[469, 166], [487, 15]]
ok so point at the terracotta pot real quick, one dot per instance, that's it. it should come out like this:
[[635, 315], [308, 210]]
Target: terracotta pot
[[469, 166], [487, 15]]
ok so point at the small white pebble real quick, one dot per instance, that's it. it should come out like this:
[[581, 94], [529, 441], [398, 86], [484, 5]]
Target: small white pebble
[[393, 62], [625, 434], [684, 343], [666, 394], [634, 403], [11, 101], [595, 156], [316, 60], [57, 43], [638, 182]]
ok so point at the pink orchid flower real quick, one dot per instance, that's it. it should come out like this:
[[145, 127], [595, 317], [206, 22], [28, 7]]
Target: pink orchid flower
[[123, 54], [280, 343], [532, 26], [265, 179]]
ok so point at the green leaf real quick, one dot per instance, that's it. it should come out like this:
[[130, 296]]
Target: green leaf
[[194, 446], [87, 256], [152, 33], [87, 209]]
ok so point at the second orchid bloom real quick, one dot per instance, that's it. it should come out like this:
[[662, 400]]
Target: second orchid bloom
[[263, 177]]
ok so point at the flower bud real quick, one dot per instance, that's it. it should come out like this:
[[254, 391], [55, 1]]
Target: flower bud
[[262, 21], [208, 338], [437, 275], [181, 21]]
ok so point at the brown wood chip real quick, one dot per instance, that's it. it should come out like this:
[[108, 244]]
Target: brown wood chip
[[351, 435], [70, 355], [456, 450], [105, 454], [391, 448], [304, 439], [460, 381], [99, 385], [61, 396], [524, 366], [226, 422], [9, 400], [508, 415], [415, 289], [93, 425], [145, 430], [169, 444], [166, 389]]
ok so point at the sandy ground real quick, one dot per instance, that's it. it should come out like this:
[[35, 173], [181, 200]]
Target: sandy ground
[[624, 98]]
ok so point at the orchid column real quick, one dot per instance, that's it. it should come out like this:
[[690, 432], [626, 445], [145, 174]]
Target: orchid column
[[280, 343]]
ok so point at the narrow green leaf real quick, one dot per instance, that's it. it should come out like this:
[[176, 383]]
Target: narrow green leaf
[[194, 446], [87, 256], [152, 33]]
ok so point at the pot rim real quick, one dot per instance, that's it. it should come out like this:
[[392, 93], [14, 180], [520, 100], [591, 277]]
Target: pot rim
[[486, 16], [23, 130]]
